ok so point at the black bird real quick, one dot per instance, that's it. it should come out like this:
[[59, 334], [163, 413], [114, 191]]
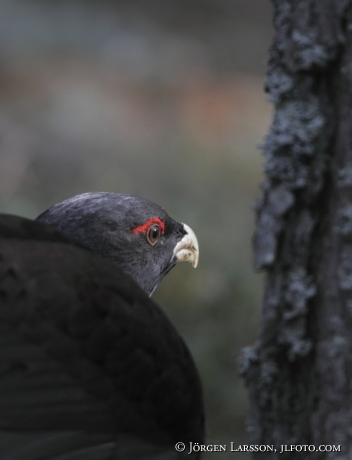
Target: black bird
[[90, 367]]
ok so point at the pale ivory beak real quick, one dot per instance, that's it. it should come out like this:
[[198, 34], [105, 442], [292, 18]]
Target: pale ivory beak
[[187, 249]]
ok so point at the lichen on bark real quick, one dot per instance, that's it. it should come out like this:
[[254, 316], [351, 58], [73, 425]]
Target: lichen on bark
[[303, 237]]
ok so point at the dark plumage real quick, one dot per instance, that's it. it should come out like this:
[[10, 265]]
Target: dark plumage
[[91, 368], [107, 224]]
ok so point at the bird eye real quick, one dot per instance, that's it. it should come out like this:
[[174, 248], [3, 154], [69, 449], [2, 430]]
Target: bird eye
[[153, 233]]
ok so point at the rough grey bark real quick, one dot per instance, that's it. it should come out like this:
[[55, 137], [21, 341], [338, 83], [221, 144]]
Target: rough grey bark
[[299, 374]]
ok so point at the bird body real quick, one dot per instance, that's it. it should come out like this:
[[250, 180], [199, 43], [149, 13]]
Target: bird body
[[90, 366]]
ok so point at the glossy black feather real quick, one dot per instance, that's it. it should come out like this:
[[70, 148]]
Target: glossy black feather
[[86, 357]]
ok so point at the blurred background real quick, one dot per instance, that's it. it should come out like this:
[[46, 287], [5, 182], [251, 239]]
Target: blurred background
[[158, 99]]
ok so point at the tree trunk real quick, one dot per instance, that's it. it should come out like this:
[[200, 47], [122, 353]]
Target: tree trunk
[[299, 374]]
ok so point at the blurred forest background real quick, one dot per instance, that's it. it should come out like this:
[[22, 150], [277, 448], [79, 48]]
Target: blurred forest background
[[161, 99]]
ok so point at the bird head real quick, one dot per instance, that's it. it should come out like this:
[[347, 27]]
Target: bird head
[[133, 233]]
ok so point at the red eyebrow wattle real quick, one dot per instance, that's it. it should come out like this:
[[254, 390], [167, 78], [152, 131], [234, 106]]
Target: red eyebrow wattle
[[144, 228]]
